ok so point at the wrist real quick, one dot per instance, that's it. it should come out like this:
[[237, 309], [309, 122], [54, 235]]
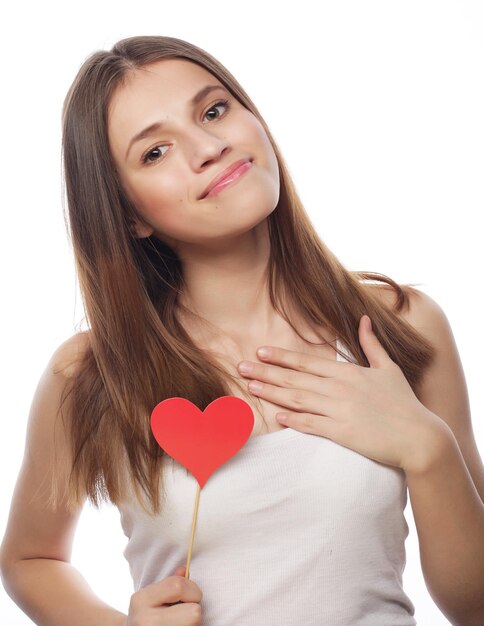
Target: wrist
[[431, 447]]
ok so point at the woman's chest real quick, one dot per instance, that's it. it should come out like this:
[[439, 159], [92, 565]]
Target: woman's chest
[[264, 411], [266, 407]]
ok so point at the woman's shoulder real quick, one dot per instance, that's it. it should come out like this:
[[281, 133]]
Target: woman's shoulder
[[421, 308], [67, 356]]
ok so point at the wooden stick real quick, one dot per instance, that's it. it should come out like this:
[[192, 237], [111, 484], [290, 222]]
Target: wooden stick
[[194, 524]]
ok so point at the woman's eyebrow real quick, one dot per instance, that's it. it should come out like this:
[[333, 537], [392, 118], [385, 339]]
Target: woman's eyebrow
[[149, 130]]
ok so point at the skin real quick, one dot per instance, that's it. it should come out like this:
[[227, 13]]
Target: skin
[[218, 239]]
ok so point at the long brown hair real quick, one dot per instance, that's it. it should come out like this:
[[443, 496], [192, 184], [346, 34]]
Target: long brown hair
[[137, 352]]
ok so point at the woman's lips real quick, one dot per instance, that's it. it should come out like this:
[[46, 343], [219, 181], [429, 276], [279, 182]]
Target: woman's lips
[[230, 179]]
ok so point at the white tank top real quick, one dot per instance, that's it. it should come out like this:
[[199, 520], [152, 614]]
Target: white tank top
[[294, 529]]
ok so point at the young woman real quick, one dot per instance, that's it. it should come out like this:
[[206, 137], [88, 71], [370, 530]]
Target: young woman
[[193, 250]]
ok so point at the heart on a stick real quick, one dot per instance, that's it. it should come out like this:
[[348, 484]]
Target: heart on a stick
[[202, 441]]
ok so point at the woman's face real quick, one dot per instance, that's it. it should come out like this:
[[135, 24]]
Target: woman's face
[[166, 170]]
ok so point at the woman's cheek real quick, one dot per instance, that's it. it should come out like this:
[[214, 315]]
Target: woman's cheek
[[151, 196]]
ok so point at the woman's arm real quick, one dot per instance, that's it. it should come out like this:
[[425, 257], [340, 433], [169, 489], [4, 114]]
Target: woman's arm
[[53, 593], [446, 492], [449, 518], [37, 544]]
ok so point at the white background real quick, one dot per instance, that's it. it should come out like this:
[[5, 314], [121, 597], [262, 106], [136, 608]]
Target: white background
[[377, 107]]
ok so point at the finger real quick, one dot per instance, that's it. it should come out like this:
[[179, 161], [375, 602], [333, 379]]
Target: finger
[[181, 615], [300, 400], [376, 354], [321, 425], [168, 591], [287, 378], [291, 378], [309, 363]]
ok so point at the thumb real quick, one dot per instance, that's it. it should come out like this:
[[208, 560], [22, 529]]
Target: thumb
[[376, 354], [180, 571]]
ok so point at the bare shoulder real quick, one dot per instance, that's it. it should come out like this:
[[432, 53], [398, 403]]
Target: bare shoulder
[[49, 400], [421, 305], [50, 403], [67, 356], [46, 434], [427, 317], [424, 314]]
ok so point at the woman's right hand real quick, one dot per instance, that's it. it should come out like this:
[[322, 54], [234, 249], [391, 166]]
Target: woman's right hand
[[173, 601]]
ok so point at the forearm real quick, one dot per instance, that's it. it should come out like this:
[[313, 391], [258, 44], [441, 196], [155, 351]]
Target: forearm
[[449, 518], [54, 593]]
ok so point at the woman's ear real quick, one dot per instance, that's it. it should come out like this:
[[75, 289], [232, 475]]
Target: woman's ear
[[140, 229]]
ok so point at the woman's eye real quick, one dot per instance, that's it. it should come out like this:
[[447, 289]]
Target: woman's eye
[[224, 103], [153, 154], [146, 158]]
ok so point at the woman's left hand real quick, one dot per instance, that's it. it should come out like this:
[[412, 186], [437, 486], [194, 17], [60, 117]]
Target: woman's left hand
[[371, 410]]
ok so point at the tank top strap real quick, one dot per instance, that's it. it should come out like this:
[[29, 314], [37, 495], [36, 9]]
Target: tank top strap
[[341, 346]]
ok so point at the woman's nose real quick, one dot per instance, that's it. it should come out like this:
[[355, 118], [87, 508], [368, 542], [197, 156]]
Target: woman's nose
[[210, 149]]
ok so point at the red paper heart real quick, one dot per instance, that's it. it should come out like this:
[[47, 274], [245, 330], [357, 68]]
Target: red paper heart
[[202, 441]]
